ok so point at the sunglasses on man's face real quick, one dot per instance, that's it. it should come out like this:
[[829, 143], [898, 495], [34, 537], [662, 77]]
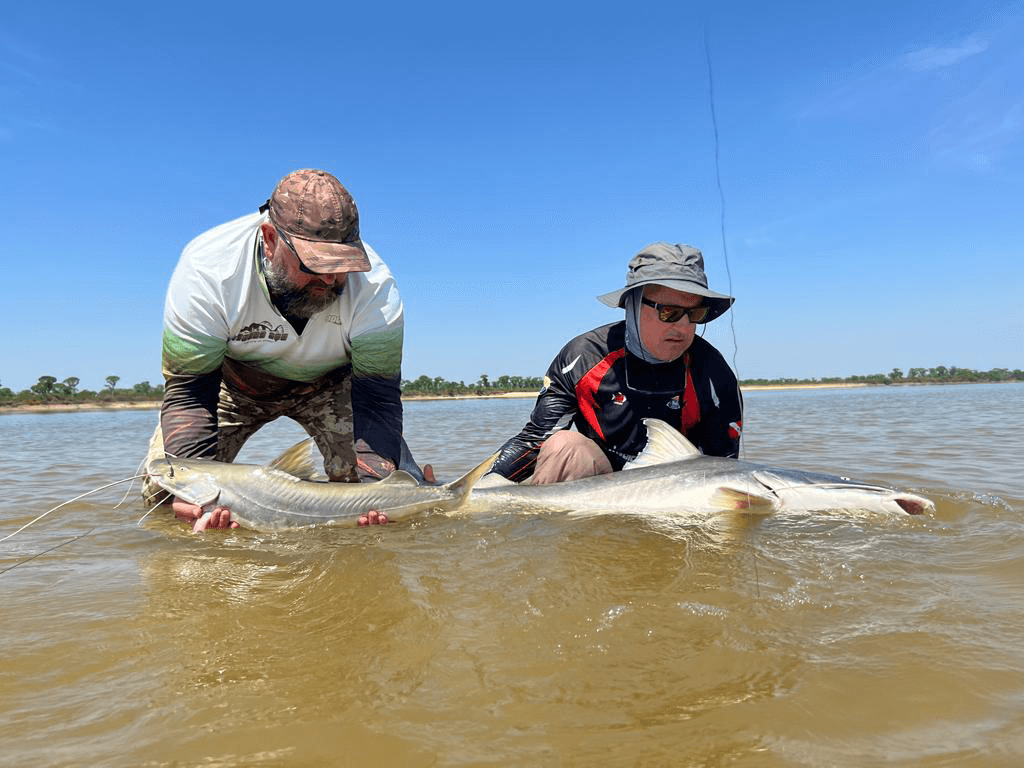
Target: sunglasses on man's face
[[670, 313], [302, 267]]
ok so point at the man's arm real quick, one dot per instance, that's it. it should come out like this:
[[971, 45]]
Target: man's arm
[[188, 415], [377, 414], [553, 411]]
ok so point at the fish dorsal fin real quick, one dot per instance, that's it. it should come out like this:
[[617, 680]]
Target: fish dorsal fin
[[664, 444], [301, 461], [399, 477]]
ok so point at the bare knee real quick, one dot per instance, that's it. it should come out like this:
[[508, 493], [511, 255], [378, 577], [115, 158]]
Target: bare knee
[[568, 455]]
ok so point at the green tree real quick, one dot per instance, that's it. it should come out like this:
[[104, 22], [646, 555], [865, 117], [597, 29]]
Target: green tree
[[112, 382], [44, 386]]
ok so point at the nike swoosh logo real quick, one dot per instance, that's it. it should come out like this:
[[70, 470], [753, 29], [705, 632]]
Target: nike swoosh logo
[[571, 365]]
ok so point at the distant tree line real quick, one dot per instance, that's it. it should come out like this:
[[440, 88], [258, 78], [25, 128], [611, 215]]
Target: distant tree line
[[50, 391], [441, 387], [938, 375]]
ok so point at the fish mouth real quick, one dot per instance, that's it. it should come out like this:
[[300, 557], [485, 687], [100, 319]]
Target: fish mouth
[[914, 506]]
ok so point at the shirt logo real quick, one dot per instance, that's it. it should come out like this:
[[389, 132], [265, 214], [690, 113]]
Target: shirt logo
[[673, 404], [618, 399], [571, 365], [261, 332]]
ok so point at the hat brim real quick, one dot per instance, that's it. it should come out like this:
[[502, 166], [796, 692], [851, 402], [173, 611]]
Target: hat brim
[[332, 258], [718, 303]]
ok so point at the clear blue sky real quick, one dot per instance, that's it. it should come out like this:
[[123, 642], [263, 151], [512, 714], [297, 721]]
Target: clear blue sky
[[509, 159]]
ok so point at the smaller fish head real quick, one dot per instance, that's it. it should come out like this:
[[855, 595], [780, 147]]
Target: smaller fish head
[[185, 479]]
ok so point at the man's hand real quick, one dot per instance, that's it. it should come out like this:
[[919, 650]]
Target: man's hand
[[428, 474], [373, 517], [220, 517]]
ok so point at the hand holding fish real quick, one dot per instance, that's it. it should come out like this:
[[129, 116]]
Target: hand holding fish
[[373, 517], [219, 517]]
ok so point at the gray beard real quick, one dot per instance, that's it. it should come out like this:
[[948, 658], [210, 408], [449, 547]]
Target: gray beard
[[291, 300]]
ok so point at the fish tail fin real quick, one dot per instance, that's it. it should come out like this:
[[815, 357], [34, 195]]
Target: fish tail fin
[[736, 500], [465, 484]]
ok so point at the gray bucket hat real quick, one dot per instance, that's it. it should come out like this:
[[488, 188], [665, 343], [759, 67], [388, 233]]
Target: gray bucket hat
[[680, 267]]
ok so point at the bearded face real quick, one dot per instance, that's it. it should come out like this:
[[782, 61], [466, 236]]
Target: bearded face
[[299, 301]]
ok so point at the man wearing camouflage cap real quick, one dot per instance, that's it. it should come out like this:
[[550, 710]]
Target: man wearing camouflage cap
[[651, 364], [284, 312]]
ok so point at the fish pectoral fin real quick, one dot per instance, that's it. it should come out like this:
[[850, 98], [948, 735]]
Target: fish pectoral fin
[[736, 500], [400, 477]]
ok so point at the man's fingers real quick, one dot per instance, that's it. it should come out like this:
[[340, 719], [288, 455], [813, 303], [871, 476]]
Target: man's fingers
[[428, 473], [373, 517], [218, 518]]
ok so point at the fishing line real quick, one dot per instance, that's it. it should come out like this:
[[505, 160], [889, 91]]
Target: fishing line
[[725, 255], [721, 197]]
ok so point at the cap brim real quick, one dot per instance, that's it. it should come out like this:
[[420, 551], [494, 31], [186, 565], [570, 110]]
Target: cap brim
[[331, 258], [718, 303]]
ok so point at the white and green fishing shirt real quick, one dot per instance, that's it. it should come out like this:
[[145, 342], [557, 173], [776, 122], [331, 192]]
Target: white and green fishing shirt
[[218, 308]]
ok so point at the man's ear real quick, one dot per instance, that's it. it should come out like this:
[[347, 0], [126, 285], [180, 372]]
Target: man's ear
[[270, 239]]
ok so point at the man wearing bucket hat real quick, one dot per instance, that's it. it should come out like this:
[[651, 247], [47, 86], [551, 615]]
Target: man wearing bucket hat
[[284, 312], [652, 364]]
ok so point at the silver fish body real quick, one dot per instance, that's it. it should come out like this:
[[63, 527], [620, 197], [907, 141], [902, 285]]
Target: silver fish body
[[670, 477], [271, 498]]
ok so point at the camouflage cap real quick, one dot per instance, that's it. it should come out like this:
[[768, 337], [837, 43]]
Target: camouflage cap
[[321, 220]]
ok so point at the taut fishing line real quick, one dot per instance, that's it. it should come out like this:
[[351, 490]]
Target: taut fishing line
[[725, 250], [721, 198]]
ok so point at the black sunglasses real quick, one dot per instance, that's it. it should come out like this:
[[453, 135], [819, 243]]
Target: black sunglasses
[[302, 267], [670, 313]]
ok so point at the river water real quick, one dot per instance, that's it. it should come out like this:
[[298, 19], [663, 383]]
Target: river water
[[524, 640]]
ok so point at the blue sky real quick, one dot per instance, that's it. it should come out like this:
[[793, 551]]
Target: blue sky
[[509, 159]]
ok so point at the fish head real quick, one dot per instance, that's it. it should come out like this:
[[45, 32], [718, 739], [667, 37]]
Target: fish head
[[188, 479], [812, 492]]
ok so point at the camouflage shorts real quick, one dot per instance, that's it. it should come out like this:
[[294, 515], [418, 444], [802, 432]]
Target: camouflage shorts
[[322, 408]]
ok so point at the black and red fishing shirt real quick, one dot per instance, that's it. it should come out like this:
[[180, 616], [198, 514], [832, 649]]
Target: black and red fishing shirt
[[598, 386]]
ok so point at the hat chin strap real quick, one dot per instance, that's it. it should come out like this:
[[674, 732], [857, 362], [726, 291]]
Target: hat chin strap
[[633, 343]]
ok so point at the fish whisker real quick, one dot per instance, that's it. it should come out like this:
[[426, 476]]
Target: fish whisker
[[70, 501]]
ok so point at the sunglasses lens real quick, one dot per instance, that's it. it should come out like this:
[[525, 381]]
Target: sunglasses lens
[[672, 314], [675, 314], [698, 314]]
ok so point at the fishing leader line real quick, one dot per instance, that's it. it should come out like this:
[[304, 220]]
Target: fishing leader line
[[721, 208], [725, 255]]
